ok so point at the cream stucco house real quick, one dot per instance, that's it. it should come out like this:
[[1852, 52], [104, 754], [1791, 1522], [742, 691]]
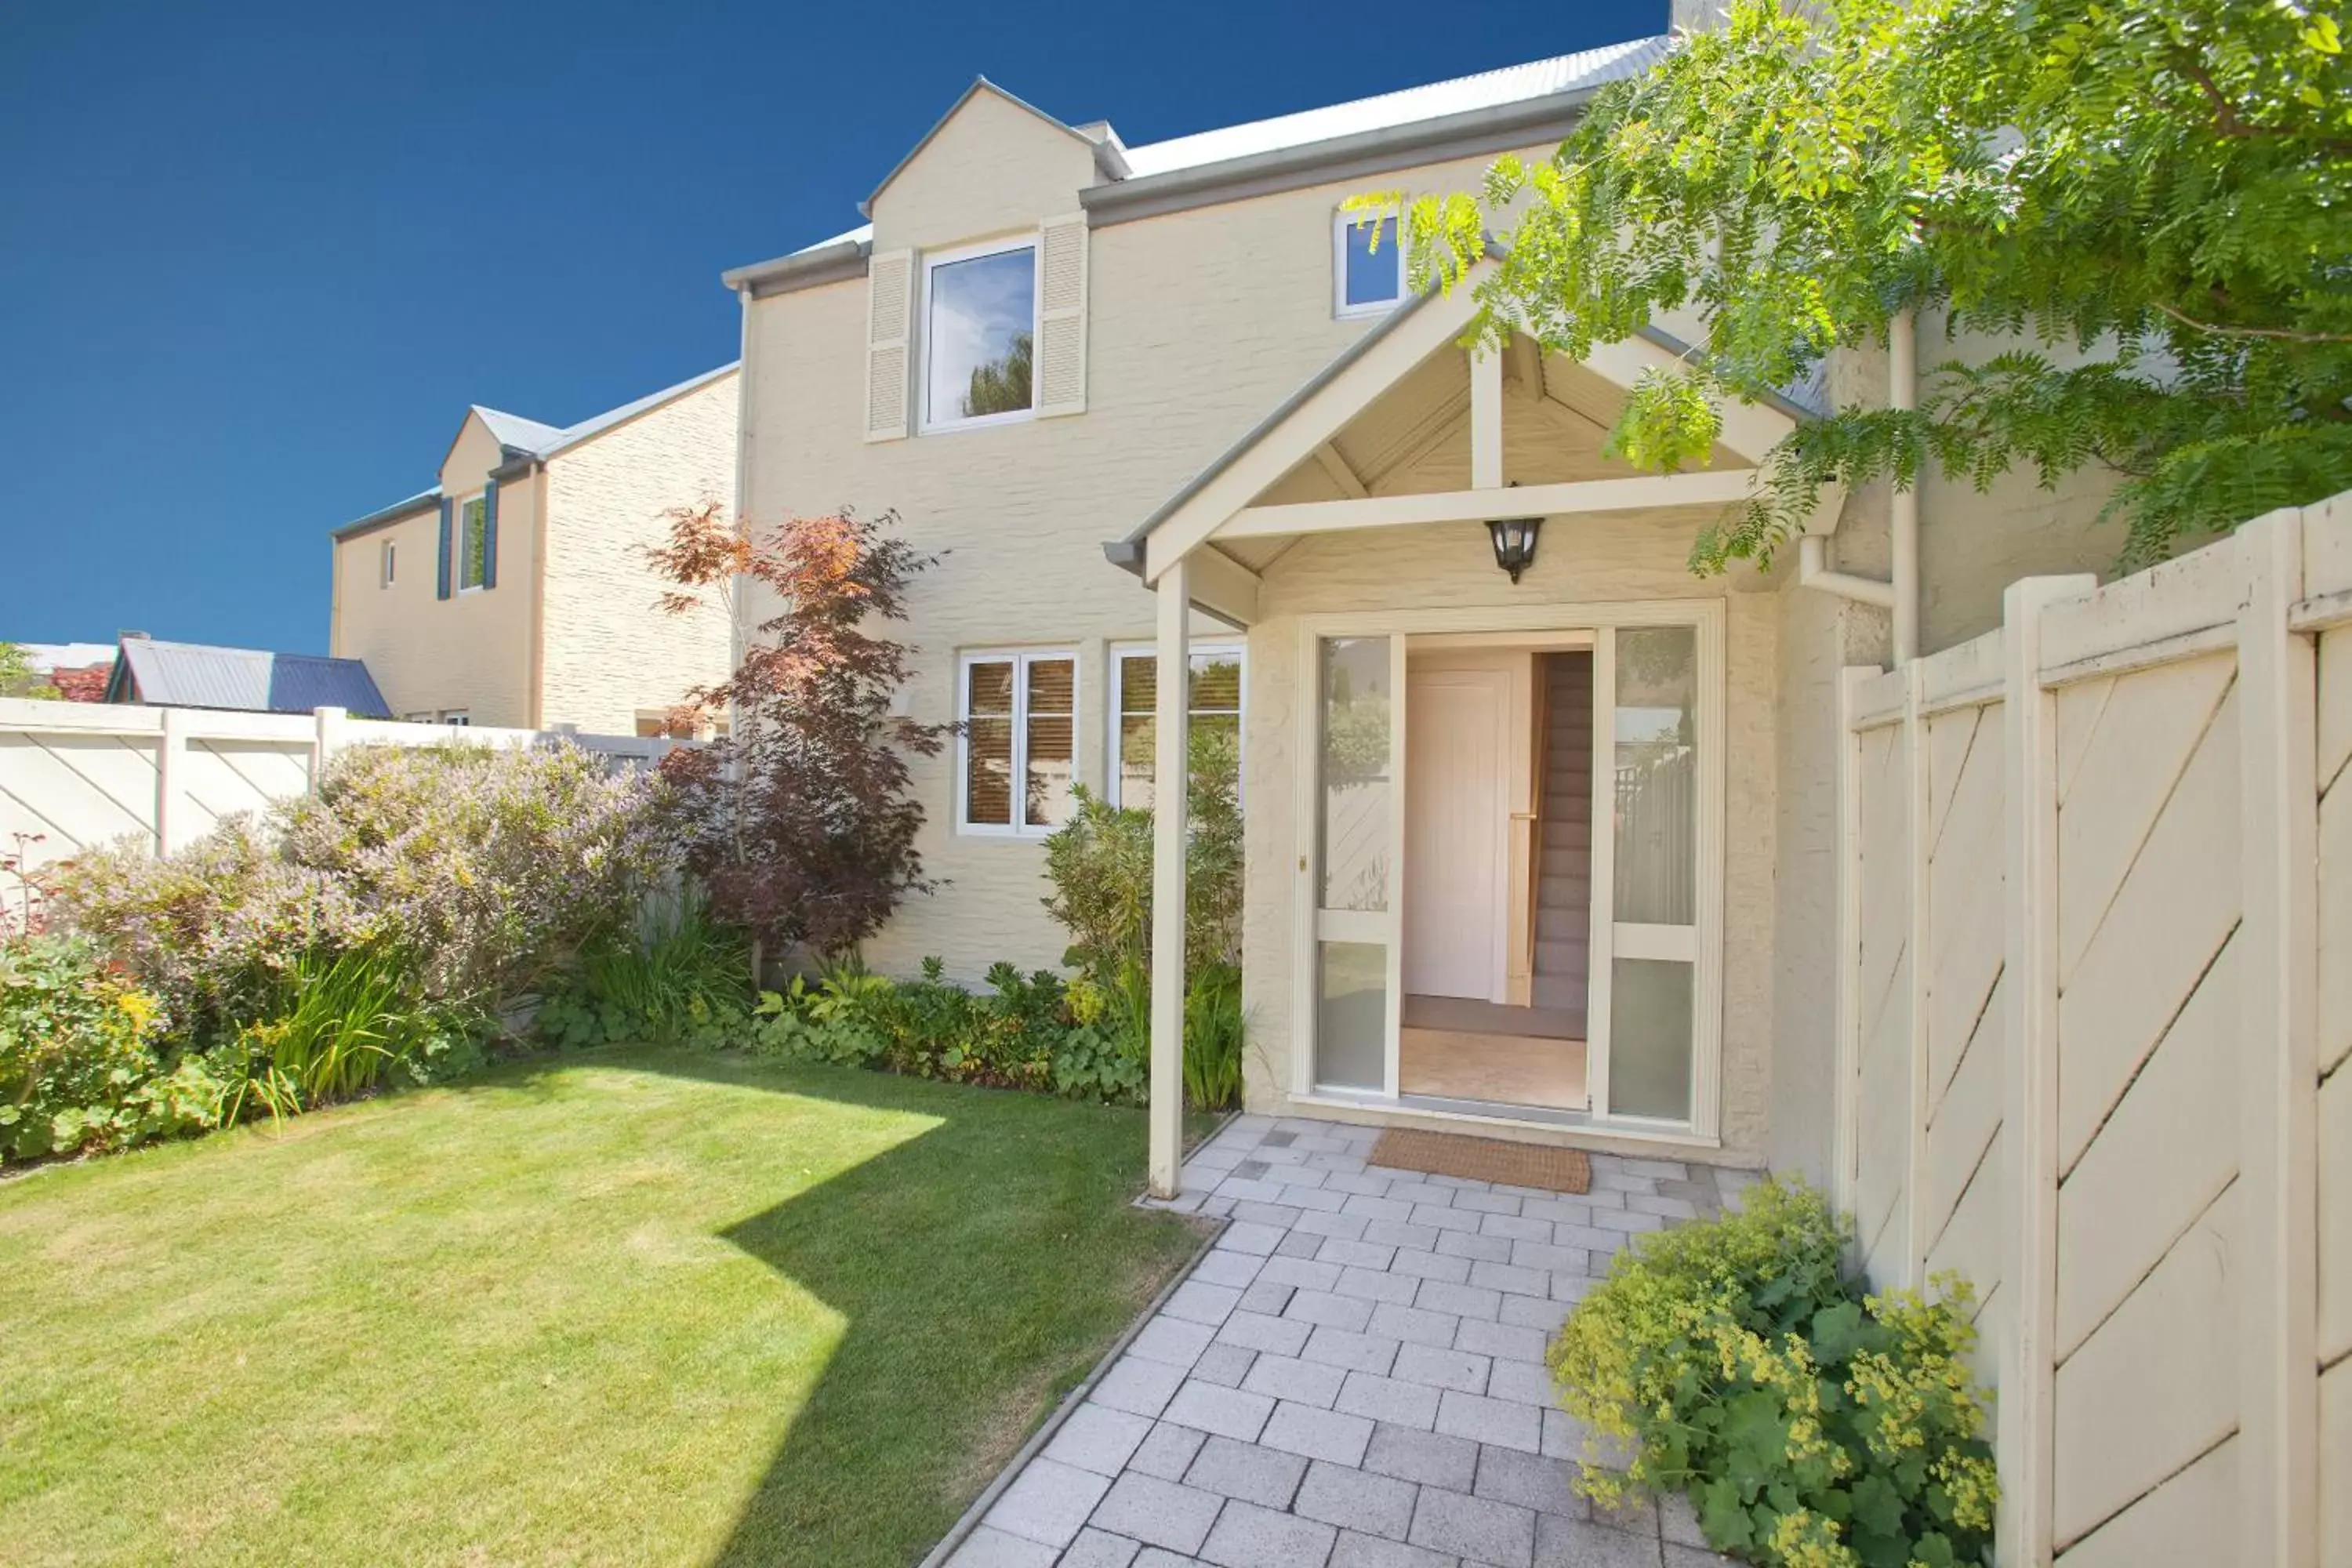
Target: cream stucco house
[[515, 591], [1045, 339]]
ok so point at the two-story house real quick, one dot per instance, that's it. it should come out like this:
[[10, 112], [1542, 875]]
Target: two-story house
[[1435, 607], [515, 590]]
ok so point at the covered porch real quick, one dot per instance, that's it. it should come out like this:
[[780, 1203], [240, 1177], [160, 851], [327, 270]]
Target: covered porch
[[1487, 746]]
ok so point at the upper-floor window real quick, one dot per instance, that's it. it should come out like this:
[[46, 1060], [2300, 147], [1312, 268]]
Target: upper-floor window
[[1366, 263], [1020, 714], [1214, 703], [388, 564], [979, 335], [473, 543]]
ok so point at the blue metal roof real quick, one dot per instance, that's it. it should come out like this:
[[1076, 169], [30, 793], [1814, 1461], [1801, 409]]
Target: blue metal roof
[[249, 680]]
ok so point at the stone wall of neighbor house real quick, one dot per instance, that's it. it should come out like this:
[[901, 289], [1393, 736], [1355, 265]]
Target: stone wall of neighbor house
[[609, 656], [2092, 1030]]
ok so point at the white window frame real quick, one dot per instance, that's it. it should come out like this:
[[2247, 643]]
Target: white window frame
[[1341, 222], [427, 717], [457, 718], [457, 583], [1114, 774], [924, 422], [387, 564], [1020, 659]]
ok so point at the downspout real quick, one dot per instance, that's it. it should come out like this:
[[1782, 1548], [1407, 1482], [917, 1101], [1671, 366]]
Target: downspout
[[1899, 597]]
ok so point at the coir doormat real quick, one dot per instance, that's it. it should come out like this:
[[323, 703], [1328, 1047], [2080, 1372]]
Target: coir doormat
[[1485, 1159]]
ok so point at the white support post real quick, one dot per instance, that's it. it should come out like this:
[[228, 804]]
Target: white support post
[[2278, 1336], [328, 740], [1171, 732], [2026, 1439], [172, 809]]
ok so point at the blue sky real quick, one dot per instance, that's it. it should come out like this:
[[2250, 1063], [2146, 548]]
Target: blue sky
[[255, 260]]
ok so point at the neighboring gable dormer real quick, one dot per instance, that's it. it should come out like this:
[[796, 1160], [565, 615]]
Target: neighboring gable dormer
[[976, 309], [466, 557]]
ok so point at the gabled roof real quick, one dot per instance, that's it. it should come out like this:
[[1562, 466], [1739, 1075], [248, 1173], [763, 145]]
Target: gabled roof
[[516, 433], [249, 680], [1105, 147]]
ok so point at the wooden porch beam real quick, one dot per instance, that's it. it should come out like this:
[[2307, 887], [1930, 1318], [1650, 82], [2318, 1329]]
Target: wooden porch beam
[[1223, 587], [1704, 488], [1327, 457]]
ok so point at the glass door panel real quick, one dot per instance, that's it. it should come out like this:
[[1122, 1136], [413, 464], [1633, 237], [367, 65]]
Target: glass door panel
[[1646, 946], [1359, 737]]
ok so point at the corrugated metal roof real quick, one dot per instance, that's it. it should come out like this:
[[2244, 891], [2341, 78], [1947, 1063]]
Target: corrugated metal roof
[[514, 430], [248, 680]]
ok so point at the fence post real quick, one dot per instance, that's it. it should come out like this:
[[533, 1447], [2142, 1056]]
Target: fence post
[[2025, 1438], [2278, 1333], [170, 784], [1846, 1133], [1918, 818], [328, 742]]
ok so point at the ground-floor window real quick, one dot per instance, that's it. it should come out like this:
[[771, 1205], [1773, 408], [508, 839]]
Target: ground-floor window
[[1018, 749], [1214, 702]]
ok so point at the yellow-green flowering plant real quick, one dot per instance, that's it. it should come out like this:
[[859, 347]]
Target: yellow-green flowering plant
[[1811, 1424]]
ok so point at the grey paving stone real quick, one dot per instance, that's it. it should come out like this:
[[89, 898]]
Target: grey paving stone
[[1504, 1341], [1223, 1412], [1319, 1433], [1281, 1216], [1560, 1211], [1243, 1189], [1415, 1188], [1303, 1381], [1195, 1301], [1574, 1544], [1634, 1515], [1500, 1534], [1667, 1207], [1592, 1238], [1171, 1340], [1296, 1244], [1255, 1331], [1244, 1236], [1446, 1217], [1321, 1200], [1515, 1227], [1627, 1220], [1546, 1317], [1359, 1254], [1278, 1139], [1168, 1452], [1414, 1325], [1481, 1419], [1388, 1399], [1678, 1520], [1216, 1207], [1247, 1470], [1300, 1175], [1512, 1279], [1375, 1505], [1100, 1549], [1375, 1285], [1247, 1536], [1522, 1383], [1546, 1256], [1048, 1502], [1380, 1207], [1462, 1300], [1346, 1227], [1402, 1233], [1438, 1265], [1439, 1366], [1355, 1551], [1462, 1244], [1531, 1480], [1154, 1557], [1357, 1353], [1157, 1512], [1679, 1556], [1096, 1437], [1228, 1267], [1322, 1306], [988, 1548], [1432, 1459], [1304, 1273], [1143, 1387], [1224, 1364], [1360, 1182], [1572, 1287], [1488, 1202], [1266, 1296]]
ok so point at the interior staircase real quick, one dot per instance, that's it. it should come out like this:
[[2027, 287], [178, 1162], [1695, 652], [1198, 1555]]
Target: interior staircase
[[1564, 878]]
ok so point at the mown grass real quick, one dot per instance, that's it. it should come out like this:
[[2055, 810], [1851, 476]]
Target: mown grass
[[625, 1306]]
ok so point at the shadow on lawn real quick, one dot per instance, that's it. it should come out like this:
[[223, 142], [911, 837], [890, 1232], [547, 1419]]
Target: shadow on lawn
[[967, 1262]]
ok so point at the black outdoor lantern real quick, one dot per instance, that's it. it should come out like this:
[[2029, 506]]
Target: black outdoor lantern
[[1515, 542]]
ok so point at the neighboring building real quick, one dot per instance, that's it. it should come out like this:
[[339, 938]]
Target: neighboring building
[[78, 670], [152, 674], [515, 591], [1045, 339]]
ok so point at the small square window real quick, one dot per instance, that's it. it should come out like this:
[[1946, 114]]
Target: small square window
[[979, 335], [1366, 263]]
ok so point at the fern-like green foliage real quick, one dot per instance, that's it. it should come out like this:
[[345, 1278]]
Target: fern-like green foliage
[[2156, 201]]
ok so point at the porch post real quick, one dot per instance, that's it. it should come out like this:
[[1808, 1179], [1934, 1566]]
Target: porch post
[[1170, 697]]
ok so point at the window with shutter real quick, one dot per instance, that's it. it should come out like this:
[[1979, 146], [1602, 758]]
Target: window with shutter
[[441, 565], [889, 329], [979, 322], [490, 534], [1062, 316]]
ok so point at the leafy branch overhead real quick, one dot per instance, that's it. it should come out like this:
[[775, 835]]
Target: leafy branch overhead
[[2146, 204]]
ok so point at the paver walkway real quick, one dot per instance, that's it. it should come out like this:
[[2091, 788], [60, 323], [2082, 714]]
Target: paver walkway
[[1353, 1378]]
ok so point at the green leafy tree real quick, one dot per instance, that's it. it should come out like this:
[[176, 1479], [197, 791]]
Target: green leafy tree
[[2149, 202], [19, 679], [1001, 387]]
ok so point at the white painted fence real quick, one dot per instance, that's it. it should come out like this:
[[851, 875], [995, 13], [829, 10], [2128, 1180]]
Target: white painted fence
[[2096, 1005], [83, 775]]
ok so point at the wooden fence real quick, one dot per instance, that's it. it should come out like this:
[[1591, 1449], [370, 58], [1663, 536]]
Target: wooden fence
[[2094, 1005], [74, 775]]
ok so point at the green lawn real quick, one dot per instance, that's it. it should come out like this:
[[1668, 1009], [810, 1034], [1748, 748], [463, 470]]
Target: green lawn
[[620, 1307]]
